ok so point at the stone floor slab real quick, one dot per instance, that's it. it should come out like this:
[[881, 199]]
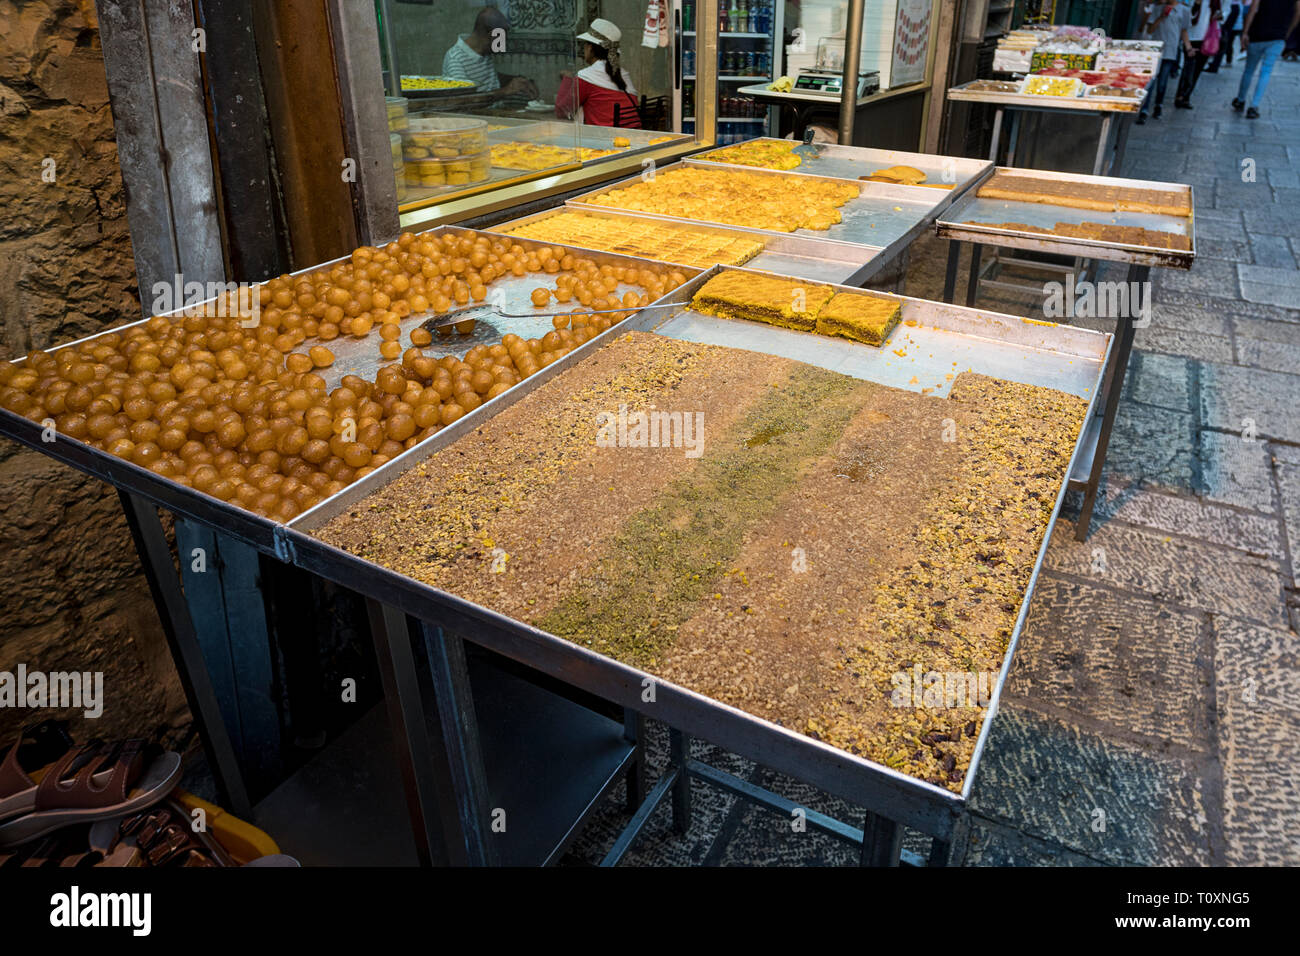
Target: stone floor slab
[[1209, 320], [1152, 444], [1267, 293], [1255, 534], [1157, 379], [1127, 663], [1076, 789], [1258, 699], [1197, 345], [1288, 486], [1236, 471], [1269, 274], [1271, 251], [1212, 277], [1182, 571], [990, 844], [1175, 297], [1235, 399], [1275, 356]]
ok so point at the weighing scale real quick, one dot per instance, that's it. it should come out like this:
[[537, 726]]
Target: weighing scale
[[826, 76], [829, 83]]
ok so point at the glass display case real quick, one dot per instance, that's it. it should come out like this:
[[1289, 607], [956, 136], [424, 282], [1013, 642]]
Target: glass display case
[[484, 97]]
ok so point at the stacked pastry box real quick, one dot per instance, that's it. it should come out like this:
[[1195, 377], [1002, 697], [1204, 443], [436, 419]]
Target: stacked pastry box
[[1015, 49], [1137, 56], [1066, 50]]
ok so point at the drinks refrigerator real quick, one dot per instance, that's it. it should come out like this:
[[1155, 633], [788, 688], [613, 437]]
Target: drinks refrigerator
[[750, 50]]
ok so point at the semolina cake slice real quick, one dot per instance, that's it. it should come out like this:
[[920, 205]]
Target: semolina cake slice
[[860, 317], [789, 303], [903, 175]]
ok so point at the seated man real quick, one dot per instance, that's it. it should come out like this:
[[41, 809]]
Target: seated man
[[471, 58]]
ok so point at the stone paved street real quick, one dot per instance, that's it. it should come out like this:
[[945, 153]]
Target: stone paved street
[[1152, 714]]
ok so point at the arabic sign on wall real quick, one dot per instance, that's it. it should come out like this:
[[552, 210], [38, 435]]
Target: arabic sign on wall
[[911, 41]]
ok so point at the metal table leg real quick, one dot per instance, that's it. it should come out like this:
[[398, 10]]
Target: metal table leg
[[901, 281], [952, 851], [1125, 123], [459, 725], [1013, 138], [882, 841], [178, 626], [679, 747], [634, 732], [1099, 166], [997, 135], [950, 273], [1113, 388], [418, 736], [973, 278]]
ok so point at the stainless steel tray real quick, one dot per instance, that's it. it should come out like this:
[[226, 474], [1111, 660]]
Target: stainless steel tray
[[782, 253], [351, 357], [1030, 101], [883, 216], [852, 162], [972, 219], [1052, 355]]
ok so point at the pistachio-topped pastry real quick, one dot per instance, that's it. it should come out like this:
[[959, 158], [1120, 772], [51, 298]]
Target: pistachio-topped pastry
[[858, 316], [788, 303]]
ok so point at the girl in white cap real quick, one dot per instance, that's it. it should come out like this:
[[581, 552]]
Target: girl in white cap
[[600, 86]]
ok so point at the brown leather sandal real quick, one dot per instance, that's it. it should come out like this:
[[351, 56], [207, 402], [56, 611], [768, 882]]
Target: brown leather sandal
[[163, 836], [34, 749], [96, 782]]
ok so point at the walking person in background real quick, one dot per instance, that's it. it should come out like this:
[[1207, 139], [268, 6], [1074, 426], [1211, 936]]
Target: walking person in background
[[1166, 21], [1228, 33], [1203, 30], [1291, 52], [1263, 35]]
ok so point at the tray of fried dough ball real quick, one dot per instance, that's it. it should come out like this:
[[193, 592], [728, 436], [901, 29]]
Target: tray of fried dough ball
[[226, 410]]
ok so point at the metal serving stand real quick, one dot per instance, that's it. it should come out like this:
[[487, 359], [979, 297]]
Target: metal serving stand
[[820, 260], [421, 632], [615, 749], [977, 220], [1056, 356], [881, 222], [1114, 114], [957, 173]]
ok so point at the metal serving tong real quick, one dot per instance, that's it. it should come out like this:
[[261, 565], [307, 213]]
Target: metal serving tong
[[484, 310], [808, 149]]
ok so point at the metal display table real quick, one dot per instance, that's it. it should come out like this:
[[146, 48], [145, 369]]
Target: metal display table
[[421, 632], [1065, 358], [875, 230], [808, 258], [803, 105], [1115, 115], [946, 176], [982, 221], [829, 256]]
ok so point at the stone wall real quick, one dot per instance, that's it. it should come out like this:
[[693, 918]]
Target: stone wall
[[72, 596]]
